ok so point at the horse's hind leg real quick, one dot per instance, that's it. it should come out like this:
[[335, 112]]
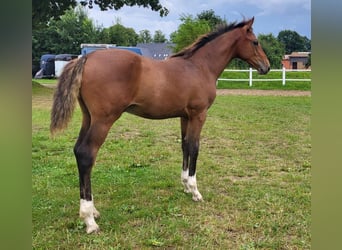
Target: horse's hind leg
[[91, 138], [84, 129]]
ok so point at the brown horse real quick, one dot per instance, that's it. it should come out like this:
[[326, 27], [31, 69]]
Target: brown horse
[[107, 83]]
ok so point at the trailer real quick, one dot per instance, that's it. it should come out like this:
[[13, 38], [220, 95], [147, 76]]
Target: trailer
[[87, 48], [47, 66], [61, 60]]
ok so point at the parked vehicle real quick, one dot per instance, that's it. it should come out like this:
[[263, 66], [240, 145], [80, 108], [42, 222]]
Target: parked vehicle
[[61, 60], [47, 66]]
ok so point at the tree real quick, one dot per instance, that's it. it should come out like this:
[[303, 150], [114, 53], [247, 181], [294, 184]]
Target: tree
[[293, 42], [118, 4], [64, 35], [121, 36], [145, 36], [237, 63], [188, 32], [43, 11], [191, 28], [307, 44], [159, 37], [73, 28], [273, 49], [308, 64], [212, 19], [41, 44]]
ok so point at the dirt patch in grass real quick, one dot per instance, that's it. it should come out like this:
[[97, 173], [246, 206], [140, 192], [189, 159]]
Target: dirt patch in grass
[[41, 95]]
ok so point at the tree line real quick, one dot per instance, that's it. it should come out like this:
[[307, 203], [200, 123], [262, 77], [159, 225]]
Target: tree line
[[64, 34]]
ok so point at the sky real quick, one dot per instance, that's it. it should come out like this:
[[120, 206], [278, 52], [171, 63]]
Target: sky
[[271, 16]]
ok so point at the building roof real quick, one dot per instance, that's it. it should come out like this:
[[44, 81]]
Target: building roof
[[297, 54], [158, 51]]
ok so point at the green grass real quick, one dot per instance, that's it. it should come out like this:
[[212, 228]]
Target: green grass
[[254, 173], [45, 81], [290, 85]]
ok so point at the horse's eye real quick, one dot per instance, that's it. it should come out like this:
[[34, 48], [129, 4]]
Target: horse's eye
[[255, 42]]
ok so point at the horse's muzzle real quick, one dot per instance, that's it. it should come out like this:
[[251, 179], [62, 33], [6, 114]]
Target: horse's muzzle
[[264, 69]]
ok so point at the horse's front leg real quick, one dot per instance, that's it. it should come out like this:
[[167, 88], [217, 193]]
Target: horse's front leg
[[192, 182], [191, 144], [185, 150]]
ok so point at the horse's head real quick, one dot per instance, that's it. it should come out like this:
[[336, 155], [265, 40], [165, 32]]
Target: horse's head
[[250, 50]]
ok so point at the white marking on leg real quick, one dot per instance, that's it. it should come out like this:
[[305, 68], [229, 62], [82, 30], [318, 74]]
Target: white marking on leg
[[192, 183], [87, 211], [96, 213], [184, 178]]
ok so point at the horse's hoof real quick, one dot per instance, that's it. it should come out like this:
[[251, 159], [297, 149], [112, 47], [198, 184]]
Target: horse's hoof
[[93, 229], [197, 198]]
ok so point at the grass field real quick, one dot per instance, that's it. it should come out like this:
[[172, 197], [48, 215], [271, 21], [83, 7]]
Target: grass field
[[254, 172]]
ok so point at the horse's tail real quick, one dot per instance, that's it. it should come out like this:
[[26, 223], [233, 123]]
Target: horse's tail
[[65, 96]]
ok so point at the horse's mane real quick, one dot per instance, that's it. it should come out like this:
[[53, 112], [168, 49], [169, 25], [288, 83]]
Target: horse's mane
[[204, 39]]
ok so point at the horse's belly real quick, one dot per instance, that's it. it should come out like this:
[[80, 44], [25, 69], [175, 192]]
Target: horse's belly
[[155, 112]]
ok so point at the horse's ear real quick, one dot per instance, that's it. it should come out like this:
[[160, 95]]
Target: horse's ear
[[251, 21], [249, 24]]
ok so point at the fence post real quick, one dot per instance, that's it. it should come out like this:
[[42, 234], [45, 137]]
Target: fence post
[[284, 76], [250, 77]]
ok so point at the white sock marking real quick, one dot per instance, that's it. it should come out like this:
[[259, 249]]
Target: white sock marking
[[192, 183], [184, 178], [87, 212]]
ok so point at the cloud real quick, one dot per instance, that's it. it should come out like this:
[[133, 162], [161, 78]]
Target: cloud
[[270, 14], [288, 7]]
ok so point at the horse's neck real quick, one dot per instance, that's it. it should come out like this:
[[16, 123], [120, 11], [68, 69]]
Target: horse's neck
[[216, 54]]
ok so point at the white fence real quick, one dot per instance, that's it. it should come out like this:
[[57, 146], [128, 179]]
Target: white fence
[[251, 80]]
